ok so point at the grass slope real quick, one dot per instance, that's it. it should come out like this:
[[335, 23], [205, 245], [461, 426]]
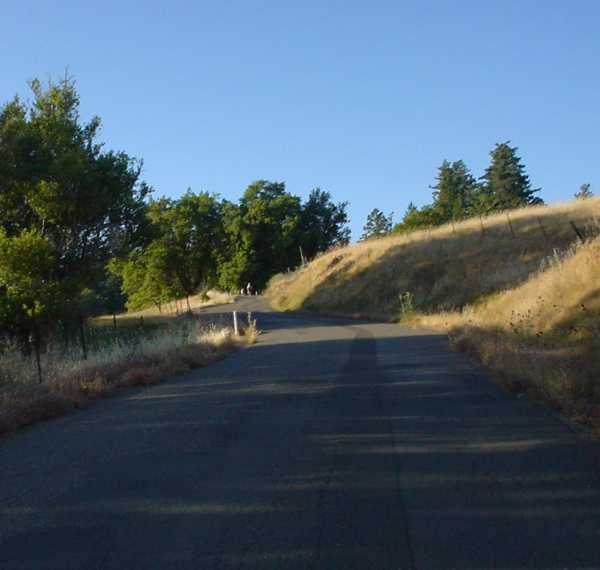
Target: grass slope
[[519, 291]]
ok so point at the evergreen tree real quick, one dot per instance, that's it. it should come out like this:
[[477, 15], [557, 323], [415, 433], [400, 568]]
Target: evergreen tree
[[454, 192], [505, 183], [584, 193], [377, 225], [417, 218]]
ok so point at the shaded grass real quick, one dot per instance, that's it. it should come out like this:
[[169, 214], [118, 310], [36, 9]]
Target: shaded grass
[[168, 311], [71, 383]]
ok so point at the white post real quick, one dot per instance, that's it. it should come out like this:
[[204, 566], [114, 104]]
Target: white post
[[235, 324]]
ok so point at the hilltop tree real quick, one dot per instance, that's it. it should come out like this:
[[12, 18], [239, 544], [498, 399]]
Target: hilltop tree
[[505, 183], [377, 225], [410, 221], [417, 218], [584, 192], [453, 192], [323, 224]]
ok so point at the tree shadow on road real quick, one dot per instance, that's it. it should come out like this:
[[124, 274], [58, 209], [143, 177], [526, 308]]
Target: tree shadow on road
[[387, 453]]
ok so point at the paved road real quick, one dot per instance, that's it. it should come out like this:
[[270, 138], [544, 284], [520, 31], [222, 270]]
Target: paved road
[[329, 445]]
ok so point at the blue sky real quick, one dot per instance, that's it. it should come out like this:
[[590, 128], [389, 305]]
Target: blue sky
[[363, 99]]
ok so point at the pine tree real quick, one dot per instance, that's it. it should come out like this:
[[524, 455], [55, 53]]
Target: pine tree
[[505, 183], [377, 225], [584, 192], [454, 191]]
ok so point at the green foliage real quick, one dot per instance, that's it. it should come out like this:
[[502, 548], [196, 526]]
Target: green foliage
[[505, 184], [106, 297], [198, 241], [191, 231], [66, 206], [323, 224], [30, 292], [412, 220], [26, 267], [263, 235], [146, 277], [454, 192], [377, 225], [457, 195]]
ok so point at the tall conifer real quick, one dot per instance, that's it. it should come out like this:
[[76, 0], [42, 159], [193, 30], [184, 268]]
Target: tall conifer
[[505, 183]]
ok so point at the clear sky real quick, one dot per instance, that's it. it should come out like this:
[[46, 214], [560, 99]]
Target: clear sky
[[362, 98]]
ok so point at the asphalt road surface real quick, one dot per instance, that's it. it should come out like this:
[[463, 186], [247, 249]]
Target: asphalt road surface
[[331, 444]]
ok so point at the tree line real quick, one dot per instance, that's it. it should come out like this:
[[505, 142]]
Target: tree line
[[81, 233], [458, 195], [199, 241]]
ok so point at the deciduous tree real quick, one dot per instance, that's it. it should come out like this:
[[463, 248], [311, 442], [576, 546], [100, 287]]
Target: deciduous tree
[[323, 224]]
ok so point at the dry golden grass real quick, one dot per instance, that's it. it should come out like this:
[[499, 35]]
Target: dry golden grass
[[542, 337], [70, 383], [527, 304], [444, 268], [250, 330]]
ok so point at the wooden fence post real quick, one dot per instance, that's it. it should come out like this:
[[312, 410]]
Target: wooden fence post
[[576, 230], [82, 337]]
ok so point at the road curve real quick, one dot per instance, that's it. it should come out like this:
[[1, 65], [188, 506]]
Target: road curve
[[331, 444]]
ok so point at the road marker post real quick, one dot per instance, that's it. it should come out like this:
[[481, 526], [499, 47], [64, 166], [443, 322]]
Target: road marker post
[[235, 324]]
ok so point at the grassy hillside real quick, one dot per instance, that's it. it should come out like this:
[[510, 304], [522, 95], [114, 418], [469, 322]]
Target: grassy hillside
[[521, 292]]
